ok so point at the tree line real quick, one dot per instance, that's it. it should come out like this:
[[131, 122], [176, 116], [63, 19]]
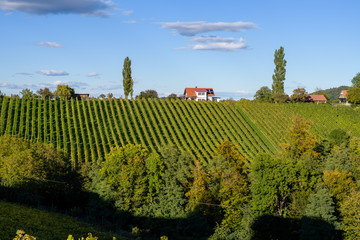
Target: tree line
[[277, 94]]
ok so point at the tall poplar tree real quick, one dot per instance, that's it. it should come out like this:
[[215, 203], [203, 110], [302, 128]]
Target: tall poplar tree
[[279, 76], [127, 79]]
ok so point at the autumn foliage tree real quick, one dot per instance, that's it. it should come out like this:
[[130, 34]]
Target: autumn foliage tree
[[350, 216], [222, 182], [301, 141]]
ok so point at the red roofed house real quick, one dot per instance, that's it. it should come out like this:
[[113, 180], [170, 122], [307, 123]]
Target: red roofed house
[[343, 96], [200, 94], [317, 98]]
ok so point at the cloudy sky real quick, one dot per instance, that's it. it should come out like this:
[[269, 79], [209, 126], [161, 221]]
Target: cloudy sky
[[227, 45]]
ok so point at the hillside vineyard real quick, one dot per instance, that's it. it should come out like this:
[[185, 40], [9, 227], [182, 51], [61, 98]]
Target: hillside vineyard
[[87, 130]]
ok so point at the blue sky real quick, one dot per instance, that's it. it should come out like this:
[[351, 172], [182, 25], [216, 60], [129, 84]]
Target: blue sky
[[227, 45]]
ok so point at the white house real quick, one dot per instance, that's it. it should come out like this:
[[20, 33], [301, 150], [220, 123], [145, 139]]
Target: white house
[[200, 94]]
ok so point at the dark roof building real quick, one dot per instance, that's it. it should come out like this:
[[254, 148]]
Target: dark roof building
[[81, 96]]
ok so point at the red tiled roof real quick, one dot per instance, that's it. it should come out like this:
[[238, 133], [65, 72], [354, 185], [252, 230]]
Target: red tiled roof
[[344, 92], [191, 92], [318, 98]]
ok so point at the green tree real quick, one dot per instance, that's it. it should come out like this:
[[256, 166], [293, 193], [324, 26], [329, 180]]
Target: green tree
[[110, 95], [356, 80], [148, 94], [353, 95], [272, 182], [45, 93], [102, 96], [171, 202], [299, 95], [338, 137], [230, 183], [127, 79], [263, 94], [279, 76], [22, 162], [319, 220], [27, 94], [350, 216], [155, 170], [172, 96], [64, 92], [124, 173], [279, 185]]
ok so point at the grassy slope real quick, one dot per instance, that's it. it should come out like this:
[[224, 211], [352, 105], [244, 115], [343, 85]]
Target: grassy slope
[[43, 224]]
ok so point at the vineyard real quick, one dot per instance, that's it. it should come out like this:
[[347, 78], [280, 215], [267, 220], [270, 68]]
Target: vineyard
[[274, 120], [86, 130]]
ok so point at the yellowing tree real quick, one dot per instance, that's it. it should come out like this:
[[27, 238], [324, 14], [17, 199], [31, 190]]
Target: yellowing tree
[[302, 141], [199, 193], [340, 183], [350, 216]]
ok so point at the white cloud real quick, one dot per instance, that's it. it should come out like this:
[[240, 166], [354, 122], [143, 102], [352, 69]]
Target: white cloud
[[221, 46], [217, 44], [58, 82], [25, 74], [43, 7], [212, 39], [49, 44], [127, 12], [193, 28], [16, 86], [130, 22], [53, 72], [97, 14], [92, 74], [108, 88], [237, 94]]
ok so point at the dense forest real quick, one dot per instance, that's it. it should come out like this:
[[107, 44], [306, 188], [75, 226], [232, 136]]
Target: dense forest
[[186, 170]]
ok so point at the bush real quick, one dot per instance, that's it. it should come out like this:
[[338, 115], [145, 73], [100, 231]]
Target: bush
[[36, 174]]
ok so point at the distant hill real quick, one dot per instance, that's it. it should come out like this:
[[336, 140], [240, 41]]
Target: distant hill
[[334, 93]]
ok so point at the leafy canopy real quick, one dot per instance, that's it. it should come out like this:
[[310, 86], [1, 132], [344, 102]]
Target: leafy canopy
[[356, 80], [353, 95], [148, 94], [64, 92], [299, 95], [263, 94]]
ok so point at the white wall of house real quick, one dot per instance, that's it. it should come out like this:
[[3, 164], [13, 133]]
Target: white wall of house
[[201, 96]]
